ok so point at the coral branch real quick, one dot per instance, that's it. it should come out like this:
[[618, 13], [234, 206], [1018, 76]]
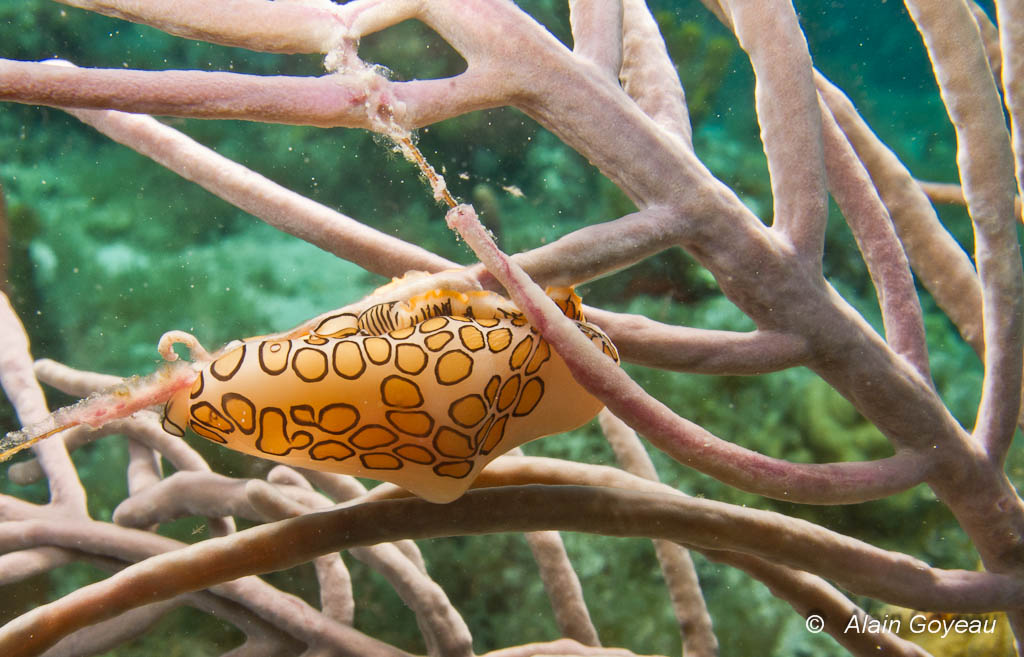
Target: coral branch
[[685, 441], [328, 101], [811, 594], [953, 194], [20, 386], [615, 97], [281, 208], [872, 228], [701, 523], [286, 612], [285, 27], [563, 587], [702, 351], [593, 251], [939, 262], [787, 110], [648, 74], [560, 648], [990, 37], [985, 162], [444, 630], [1010, 72], [597, 33], [676, 565], [5, 245]]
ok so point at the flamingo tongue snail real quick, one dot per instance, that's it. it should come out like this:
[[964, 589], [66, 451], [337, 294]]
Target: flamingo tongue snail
[[422, 393]]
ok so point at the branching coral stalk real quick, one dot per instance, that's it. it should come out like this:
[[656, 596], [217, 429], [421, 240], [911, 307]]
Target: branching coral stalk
[[646, 70], [685, 441], [810, 594], [939, 262], [676, 564], [563, 587], [872, 228], [770, 34], [805, 592], [700, 523], [20, 386], [279, 207], [615, 98], [1008, 73], [287, 27], [971, 98]]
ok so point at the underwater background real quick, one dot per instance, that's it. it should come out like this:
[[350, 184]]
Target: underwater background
[[107, 251]]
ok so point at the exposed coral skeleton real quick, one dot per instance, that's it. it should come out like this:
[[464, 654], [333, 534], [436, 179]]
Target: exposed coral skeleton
[[615, 98]]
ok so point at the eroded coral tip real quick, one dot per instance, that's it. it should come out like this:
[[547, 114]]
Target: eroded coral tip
[[167, 341], [116, 402], [15, 441]]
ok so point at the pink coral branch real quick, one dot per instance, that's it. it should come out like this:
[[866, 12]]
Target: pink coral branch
[[328, 101], [444, 630], [787, 110], [205, 493], [560, 648], [290, 615], [676, 565], [71, 381], [702, 351], [345, 488], [285, 27], [685, 441], [280, 207], [985, 162], [20, 386], [1010, 72], [811, 594], [990, 37], [702, 523], [887, 264], [5, 245], [597, 33], [336, 598], [599, 249], [563, 587], [615, 98], [561, 584], [20, 565], [938, 260], [144, 468], [648, 74]]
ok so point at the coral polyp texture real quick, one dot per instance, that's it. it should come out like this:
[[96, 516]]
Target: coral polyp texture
[[813, 418]]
